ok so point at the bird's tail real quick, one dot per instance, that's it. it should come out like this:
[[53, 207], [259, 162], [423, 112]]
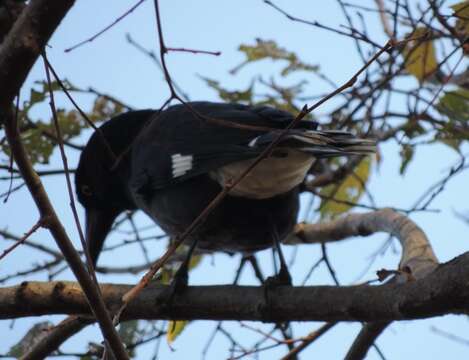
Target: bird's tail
[[326, 143]]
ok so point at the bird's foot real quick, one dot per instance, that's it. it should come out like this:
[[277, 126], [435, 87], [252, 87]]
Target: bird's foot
[[176, 287], [283, 278]]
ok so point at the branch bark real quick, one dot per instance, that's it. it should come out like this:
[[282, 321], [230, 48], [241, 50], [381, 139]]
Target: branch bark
[[54, 338], [417, 257], [444, 291], [25, 41]]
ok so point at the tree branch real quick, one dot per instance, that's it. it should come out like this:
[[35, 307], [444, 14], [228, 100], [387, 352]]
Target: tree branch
[[444, 291], [55, 336], [25, 41], [417, 254], [365, 340]]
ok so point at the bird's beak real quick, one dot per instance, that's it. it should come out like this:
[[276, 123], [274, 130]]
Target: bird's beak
[[98, 225]]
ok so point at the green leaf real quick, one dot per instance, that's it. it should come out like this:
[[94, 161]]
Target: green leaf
[[263, 49], [420, 58], [347, 192], [243, 96], [36, 97], [455, 105], [38, 146], [452, 136], [104, 108], [175, 329], [296, 65], [70, 123], [38, 136], [54, 85], [407, 153], [268, 49]]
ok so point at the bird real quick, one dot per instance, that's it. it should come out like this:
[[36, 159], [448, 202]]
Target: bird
[[172, 163]]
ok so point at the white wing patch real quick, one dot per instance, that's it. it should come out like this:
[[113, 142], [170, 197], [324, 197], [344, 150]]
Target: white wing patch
[[181, 164], [253, 142]]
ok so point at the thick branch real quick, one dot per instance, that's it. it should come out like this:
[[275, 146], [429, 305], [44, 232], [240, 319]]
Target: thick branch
[[24, 43], [417, 253], [9, 12], [55, 336], [444, 291]]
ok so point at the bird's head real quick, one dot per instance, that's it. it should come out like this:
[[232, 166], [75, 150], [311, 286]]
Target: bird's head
[[101, 179]]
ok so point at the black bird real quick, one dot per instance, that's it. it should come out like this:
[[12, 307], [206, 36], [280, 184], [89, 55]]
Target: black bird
[[173, 163]]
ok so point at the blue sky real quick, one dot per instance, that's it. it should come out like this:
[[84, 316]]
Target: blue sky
[[111, 65]]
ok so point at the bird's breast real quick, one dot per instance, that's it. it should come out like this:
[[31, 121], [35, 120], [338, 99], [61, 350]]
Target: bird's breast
[[274, 175]]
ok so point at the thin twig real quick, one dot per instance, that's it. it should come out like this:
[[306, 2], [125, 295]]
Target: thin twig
[[92, 38], [194, 51], [309, 339], [20, 241], [63, 156]]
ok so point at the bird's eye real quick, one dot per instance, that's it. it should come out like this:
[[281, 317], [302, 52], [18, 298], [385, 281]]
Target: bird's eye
[[85, 189]]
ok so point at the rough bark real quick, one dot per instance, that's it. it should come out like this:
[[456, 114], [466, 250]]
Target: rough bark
[[444, 291]]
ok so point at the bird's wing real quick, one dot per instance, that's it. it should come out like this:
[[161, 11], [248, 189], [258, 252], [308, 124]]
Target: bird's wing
[[186, 141], [183, 142]]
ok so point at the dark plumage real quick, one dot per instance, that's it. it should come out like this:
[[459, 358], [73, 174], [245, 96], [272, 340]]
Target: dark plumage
[[182, 158]]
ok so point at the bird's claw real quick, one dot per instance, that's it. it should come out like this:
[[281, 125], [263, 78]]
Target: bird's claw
[[283, 278], [177, 286]]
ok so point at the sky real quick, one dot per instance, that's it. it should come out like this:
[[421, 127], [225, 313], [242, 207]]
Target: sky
[[112, 66]]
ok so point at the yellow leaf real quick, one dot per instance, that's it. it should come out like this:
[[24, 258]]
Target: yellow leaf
[[461, 12], [195, 261], [166, 275], [420, 58], [338, 199], [175, 328]]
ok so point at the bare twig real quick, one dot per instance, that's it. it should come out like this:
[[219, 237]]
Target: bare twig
[[194, 51], [384, 19], [23, 239], [92, 38], [308, 340], [353, 35], [67, 173]]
